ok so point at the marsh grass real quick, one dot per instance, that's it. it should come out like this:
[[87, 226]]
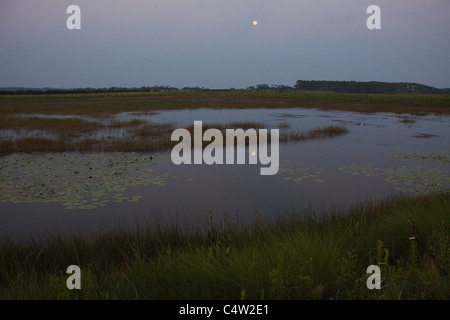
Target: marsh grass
[[110, 103], [76, 134], [62, 127], [407, 120], [157, 130], [313, 134], [317, 256], [286, 135], [127, 124]]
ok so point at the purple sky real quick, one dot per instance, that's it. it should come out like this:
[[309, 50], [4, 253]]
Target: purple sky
[[213, 43]]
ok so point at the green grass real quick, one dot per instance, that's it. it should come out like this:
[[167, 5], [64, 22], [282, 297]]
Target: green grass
[[312, 257]]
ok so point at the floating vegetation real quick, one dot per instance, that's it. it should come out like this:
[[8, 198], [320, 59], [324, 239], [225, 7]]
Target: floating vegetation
[[294, 172], [442, 157], [418, 180], [77, 180]]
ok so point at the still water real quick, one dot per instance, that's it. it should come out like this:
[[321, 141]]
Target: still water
[[381, 155]]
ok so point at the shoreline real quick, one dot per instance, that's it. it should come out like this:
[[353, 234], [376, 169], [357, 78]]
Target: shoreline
[[295, 258]]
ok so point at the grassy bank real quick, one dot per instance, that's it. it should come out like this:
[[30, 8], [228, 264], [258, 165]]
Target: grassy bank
[[294, 258]]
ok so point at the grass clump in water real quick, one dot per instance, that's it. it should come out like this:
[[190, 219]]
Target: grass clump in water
[[316, 133]]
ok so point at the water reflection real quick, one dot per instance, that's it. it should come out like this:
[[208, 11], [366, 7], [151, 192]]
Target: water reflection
[[309, 176]]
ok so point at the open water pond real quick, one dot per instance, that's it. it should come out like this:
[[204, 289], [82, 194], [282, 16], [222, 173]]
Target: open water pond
[[383, 154]]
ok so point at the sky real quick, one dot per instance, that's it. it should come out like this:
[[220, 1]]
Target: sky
[[214, 43]]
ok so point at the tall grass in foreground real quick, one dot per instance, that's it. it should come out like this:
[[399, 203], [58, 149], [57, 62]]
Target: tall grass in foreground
[[293, 258]]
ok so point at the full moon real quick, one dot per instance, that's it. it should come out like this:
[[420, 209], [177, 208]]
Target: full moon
[[255, 23]]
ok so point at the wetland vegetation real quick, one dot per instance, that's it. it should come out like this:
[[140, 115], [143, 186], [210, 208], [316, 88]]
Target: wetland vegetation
[[81, 153], [110, 103], [74, 120], [302, 257]]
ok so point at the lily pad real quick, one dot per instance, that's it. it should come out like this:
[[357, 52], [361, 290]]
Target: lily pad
[[441, 157], [298, 173], [77, 180], [416, 179]]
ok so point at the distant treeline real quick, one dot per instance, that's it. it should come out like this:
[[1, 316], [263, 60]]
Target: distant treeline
[[19, 90], [307, 85], [369, 86]]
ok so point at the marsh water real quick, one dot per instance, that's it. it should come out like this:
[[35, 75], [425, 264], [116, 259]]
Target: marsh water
[[383, 154]]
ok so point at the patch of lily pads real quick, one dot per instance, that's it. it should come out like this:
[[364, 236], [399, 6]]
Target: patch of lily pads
[[441, 157], [78, 180], [416, 180], [295, 172]]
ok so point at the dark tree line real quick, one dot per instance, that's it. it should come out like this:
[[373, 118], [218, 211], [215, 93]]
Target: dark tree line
[[18, 91], [312, 85], [369, 86]]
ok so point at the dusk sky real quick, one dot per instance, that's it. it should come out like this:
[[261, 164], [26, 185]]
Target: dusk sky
[[214, 44]]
